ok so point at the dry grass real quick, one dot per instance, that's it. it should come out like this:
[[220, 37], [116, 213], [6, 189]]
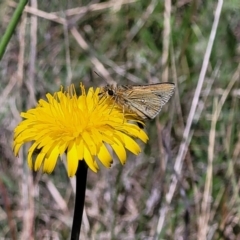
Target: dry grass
[[185, 185]]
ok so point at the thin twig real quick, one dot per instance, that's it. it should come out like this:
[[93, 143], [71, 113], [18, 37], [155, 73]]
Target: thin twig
[[32, 58], [165, 55], [83, 44], [8, 89], [185, 141], [206, 202], [55, 16], [96, 7], [40, 13], [166, 39], [140, 23], [234, 79], [205, 211], [57, 196], [20, 161], [67, 56], [96, 63], [121, 71]]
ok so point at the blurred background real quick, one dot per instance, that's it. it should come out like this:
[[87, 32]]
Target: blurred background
[[185, 183]]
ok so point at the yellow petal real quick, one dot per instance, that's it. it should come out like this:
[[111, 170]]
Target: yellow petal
[[120, 151], [89, 160], [104, 156], [72, 161], [50, 161], [131, 145], [39, 161], [30, 152], [16, 148], [89, 142]]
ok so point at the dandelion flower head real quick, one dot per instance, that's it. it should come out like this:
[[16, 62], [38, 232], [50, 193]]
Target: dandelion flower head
[[83, 126]]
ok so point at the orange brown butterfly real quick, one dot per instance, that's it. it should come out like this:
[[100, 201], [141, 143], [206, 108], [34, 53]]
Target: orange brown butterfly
[[144, 100]]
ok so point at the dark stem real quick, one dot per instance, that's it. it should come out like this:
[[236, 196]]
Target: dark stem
[[81, 180]]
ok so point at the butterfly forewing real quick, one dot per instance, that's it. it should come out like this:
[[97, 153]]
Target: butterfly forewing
[[163, 90], [144, 100], [147, 107]]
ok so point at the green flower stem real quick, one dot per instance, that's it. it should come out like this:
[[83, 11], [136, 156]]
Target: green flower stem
[[11, 26], [81, 180]]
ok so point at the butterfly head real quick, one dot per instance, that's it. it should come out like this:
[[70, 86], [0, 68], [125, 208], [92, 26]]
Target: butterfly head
[[108, 90]]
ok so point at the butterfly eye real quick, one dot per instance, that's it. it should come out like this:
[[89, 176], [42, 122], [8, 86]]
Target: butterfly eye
[[110, 92], [140, 125]]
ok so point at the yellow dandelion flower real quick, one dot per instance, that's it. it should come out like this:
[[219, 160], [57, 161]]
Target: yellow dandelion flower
[[82, 126]]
